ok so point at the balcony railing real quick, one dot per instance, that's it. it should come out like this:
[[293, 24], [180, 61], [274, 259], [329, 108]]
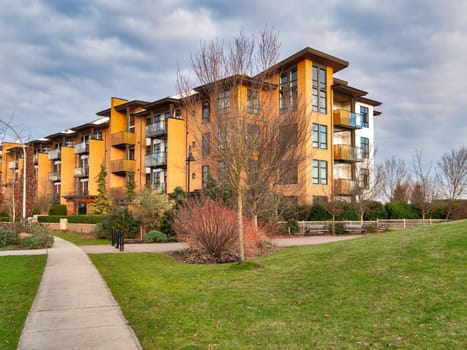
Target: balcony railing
[[117, 192], [155, 159], [122, 165], [122, 138], [347, 153], [155, 129], [344, 186], [347, 119], [55, 154], [81, 148], [158, 187], [13, 164], [81, 172], [54, 176]]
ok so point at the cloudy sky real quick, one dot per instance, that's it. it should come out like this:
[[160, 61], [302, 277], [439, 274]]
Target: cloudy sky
[[61, 61]]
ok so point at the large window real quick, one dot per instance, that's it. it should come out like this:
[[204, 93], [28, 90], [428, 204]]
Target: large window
[[131, 124], [289, 176], [252, 102], [365, 146], [364, 114], [288, 90], [320, 172], [365, 178], [319, 92], [223, 102], [205, 175], [206, 144], [205, 112], [320, 138], [221, 170]]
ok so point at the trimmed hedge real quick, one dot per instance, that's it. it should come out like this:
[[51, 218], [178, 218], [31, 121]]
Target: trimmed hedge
[[72, 219], [57, 209]]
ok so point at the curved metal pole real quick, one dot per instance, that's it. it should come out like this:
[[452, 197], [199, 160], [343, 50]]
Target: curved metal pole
[[23, 216]]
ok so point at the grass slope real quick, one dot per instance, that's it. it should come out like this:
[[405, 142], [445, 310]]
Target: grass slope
[[20, 278], [404, 290]]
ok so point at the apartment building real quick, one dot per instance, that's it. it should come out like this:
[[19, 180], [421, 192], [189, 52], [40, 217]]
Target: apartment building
[[164, 144]]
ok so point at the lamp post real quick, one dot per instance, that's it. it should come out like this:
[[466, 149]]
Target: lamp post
[[189, 159], [23, 146]]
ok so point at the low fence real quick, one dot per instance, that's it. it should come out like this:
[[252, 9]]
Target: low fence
[[380, 225]]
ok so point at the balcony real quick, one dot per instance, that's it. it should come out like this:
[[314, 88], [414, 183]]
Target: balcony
[[122, 166], [158, 187], [156, 129], [155, 159], [122, 138], [117, 192], [347, 153], [81, 148], [55, 154], [344, 187], [346, 119], [54, 176], [13, 164], [81, 172]]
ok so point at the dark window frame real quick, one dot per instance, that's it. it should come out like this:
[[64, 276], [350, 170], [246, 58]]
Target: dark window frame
[[319, 89]]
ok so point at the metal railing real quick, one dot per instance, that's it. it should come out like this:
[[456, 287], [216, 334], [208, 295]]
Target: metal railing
[[55, 154], [155, 159], [81, 148], [347, 119], [155, 129], [81, 172], [347, 153], [118, 239]]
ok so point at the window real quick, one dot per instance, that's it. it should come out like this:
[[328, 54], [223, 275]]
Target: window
[[221, 170], [364, 114], [252, 102], [206, 144], [97, 135], [288, 90], [365, 146], [320, 199], [131, 153], [205, 175], [131, 124], [319, 93], [289, 176], [253, 134], [223, 102], [205, 111], [320, 172], [320, 139], [365, 178]]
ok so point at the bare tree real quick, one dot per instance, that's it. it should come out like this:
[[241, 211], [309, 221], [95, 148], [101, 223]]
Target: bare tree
[[392, 173], [367, 186], [252, 145], [451, 176], [424, 189]]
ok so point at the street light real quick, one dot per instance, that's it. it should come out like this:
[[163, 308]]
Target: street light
[[23, 146], [189, 159]]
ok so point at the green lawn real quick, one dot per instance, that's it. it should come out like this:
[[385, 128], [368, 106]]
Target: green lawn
[[80, 239], [403, 290], [20, 278]]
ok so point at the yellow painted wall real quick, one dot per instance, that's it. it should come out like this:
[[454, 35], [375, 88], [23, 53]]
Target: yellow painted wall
[[96, 158], [44, 186], [176, 157], [67, 178]]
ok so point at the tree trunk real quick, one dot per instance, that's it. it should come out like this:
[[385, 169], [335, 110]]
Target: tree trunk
[[241, 249]]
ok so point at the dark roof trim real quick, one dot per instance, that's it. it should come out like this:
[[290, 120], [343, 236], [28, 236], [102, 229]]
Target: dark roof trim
[[131, 104], [369, 101]]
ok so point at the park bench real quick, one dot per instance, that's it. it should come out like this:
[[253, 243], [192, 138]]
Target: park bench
[[315, 229], [354, 228]]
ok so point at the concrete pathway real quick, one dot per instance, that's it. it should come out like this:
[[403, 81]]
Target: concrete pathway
[[74, 308]]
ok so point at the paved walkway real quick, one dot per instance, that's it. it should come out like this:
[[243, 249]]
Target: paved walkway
[[74, 308]]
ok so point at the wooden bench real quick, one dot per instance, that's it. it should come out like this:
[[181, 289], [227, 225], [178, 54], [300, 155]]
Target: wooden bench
[[354, 228], [315, 229]]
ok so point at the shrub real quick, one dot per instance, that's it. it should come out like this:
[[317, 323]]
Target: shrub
[[84, 219], [401, 210], [348, 213], [294, 226], [50, 218], [101, 231], [8, 237], [41, 236], [155, 236], [376, 211], [209, 227], [119, 219], [58, 209], [318, 213], [339, 228]]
